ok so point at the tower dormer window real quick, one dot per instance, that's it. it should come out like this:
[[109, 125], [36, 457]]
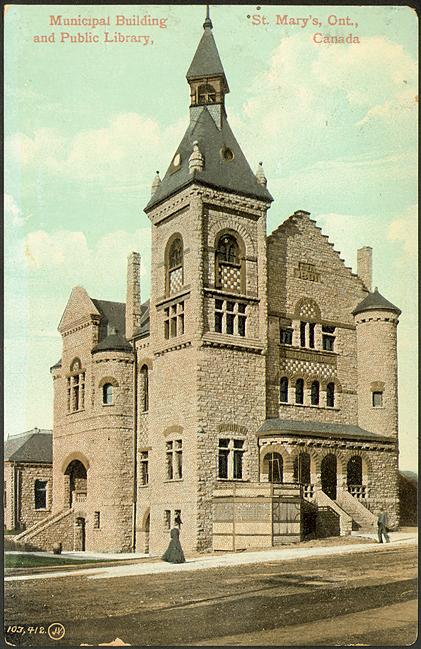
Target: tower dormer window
[[174, 265], [229, 263]]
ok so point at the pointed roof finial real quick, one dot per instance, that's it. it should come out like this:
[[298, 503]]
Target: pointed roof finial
[[260, 175], [156, 183], [208, 22]]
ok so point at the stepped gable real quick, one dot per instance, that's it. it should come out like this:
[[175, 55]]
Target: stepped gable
[[289, 227], [376, 302], [32, 446]]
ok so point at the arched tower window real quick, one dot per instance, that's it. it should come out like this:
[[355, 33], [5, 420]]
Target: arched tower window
[[330, 395], [228, 263], [315, 393], [174, 264], [76, 387], [144, 373], [283, 390], [107, 394]]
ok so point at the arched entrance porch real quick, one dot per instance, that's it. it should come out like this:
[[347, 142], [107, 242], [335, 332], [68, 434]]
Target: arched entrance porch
[[328, 475]]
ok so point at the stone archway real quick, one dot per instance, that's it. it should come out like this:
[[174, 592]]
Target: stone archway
[[328, 474], [273, 466], [77, 481]]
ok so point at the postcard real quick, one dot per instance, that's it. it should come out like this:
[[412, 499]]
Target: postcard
[[210, 325]]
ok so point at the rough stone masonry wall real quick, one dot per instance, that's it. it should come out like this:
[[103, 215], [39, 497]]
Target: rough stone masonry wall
[[27, 474], [100, 436], [9, 490], [336, 291], [231, 405]]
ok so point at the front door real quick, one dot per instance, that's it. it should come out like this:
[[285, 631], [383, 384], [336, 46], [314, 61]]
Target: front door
[[328, 475]]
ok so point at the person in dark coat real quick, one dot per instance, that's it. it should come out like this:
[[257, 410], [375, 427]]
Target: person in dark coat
[[382, 526], [174, 553]]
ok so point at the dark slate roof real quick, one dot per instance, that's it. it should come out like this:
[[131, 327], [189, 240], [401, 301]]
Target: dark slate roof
[[206, 61], [230, 175], [316, 428], [113, 342], [32, 446], [375, 302], [56, 365], [112, 314]]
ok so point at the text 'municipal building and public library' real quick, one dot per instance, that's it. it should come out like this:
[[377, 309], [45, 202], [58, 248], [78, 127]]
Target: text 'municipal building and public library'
[[254, 395]]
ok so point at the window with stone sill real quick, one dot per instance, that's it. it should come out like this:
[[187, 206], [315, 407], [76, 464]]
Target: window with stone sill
[[174, 320], [144, 388], [107, 394], [307, 334], [40, 489], [230, 458], [167, 519], [328, 338], [76, 387], [97, 520], [229, 263], [377, 399], [286, 335], [315, 393], [230, 317], [299, 391], [174, 459], [283, 390], [144, 468], [174, 265]]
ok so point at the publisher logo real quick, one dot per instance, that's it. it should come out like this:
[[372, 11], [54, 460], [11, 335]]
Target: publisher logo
[[56, 631]]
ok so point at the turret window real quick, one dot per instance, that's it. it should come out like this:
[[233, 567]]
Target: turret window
[[107, 394], [377, 399], [76, 387]]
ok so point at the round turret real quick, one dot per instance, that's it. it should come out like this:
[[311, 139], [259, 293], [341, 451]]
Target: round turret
[[376, 321]]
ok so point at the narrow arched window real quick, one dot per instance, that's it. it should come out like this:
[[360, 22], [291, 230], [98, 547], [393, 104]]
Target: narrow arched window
[[175, 266], [330, 395], [228, 267], [274, 466], [299, 391], [315, 393], [144, 373], [107, 394], [283, 390]]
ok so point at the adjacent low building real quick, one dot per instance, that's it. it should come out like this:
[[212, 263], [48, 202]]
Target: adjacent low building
[[28, 494]]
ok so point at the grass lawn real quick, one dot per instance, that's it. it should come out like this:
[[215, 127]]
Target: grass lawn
[[27, 560]]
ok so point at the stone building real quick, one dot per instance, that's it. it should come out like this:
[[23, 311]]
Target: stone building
[[255, 394], [27, 495]]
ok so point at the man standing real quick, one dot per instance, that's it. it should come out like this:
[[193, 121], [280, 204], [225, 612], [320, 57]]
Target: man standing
[[382, 526]]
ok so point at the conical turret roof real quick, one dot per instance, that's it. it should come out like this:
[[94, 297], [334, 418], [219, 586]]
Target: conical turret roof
[[375, 302]]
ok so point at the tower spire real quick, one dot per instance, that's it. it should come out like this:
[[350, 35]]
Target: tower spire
[[208, 23]]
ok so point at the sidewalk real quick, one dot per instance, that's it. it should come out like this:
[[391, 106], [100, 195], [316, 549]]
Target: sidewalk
[[202, 562]]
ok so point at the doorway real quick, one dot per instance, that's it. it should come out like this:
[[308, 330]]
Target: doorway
[[328, 475]]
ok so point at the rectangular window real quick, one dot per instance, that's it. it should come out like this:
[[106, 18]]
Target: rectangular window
[[230, 459], [230, 317], [174, 459], [41, 494], [377, 399], [286, 336], [303, 326], [328, 340], [144, 468], [312, 327], [174, 320], [97, 520], [167, 519]]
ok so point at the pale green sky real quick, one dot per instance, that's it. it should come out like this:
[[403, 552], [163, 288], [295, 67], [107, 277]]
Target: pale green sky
[[88, 124]]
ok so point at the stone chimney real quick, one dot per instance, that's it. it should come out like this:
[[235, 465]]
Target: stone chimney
[[364, 265], [133, 294]]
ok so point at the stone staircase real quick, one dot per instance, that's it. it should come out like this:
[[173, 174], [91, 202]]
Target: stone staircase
[[363, 519], [56, 528], [332, 519]]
